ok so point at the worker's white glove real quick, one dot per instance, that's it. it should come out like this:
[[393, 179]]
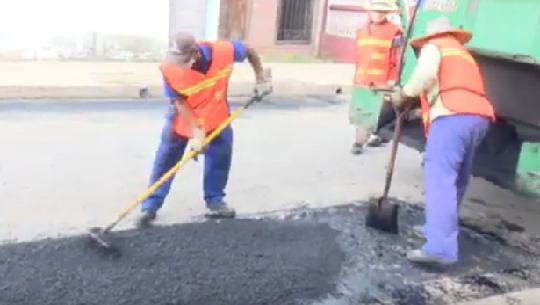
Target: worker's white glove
[[197, 139], [397, 97], [262, 88]]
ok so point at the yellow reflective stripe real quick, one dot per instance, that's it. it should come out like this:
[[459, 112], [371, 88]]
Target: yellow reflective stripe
[[209, 82], [376, 55], [457, 52], [375, 71], [374, 42], [425, 117], [371, 71]]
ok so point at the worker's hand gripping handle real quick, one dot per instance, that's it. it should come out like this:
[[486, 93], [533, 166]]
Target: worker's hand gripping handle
[[264, 86], [258, 96], [389, 90]]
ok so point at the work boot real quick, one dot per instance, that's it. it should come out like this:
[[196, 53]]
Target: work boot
[[420, 257], [219, 211], [418, 232], [145, 219], [374, 141], [358, 149]]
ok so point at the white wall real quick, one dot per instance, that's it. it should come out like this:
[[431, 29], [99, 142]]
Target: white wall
[[189, 16]]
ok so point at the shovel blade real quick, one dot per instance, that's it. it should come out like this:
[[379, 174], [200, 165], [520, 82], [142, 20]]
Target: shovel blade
[[383, 215]]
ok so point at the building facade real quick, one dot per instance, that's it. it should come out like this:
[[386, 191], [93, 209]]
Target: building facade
[[274, 26], [324, 28], [341, 19]]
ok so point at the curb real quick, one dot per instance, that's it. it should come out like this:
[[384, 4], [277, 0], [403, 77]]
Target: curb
[[132, 91]]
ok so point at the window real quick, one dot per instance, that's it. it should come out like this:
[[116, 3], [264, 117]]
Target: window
[[295, 19]]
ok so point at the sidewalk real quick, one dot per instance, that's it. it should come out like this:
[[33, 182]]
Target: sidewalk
[[31, 80]]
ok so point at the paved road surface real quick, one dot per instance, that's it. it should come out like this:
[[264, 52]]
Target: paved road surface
[[66, 166]]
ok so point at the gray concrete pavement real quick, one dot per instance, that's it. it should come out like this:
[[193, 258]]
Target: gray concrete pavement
[[301, 196], [527, 297], [20, 80]]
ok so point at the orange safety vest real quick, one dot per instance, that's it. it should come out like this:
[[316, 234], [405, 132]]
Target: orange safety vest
[[461, 87], [206, 93], [376, 60]]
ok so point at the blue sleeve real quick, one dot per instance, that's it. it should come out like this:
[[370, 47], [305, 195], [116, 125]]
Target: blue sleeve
[[397, 42], [240, 52], [169, 92]]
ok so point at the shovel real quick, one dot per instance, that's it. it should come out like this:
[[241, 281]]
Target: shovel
[[382, 212]]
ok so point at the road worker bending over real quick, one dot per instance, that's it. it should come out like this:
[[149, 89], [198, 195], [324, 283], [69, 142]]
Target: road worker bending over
[[456, 115], [196, 76], [377, 55]]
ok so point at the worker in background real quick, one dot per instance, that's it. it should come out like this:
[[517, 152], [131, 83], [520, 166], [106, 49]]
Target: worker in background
[[456, 115], [196, 77], [377, 55]]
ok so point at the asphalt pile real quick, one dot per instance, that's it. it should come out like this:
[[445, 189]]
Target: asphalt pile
[[299, 256], [232, 262], [375, 270]]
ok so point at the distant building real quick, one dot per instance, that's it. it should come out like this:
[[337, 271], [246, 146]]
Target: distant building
[[274, 26]]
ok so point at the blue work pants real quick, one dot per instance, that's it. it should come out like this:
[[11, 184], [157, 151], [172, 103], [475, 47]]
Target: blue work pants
[[447, 165], [217, 164]]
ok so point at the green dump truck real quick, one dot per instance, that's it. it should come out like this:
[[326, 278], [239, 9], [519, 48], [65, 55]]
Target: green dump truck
[[506, 44]]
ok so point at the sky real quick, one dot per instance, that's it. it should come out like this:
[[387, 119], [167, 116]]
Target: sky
[[37, 20]]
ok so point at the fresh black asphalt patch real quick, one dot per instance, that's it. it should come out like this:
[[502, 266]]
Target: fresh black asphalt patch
[[301, 256], [238, 262]]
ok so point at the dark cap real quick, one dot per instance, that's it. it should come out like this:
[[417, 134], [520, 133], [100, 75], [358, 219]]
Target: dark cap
[[182, 47]]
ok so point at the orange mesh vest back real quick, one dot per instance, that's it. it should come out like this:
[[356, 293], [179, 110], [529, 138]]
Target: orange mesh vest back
[[375, 62], [206, 93], [461, 87]]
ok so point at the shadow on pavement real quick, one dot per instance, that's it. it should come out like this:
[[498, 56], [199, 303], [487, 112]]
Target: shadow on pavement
[[297, 256]]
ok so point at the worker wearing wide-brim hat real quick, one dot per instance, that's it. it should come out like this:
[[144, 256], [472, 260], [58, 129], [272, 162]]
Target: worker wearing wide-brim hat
[[456, 115], [378, 43]]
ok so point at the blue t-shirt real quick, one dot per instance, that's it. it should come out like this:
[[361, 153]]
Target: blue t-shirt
[[397, 42], [202, 65]]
